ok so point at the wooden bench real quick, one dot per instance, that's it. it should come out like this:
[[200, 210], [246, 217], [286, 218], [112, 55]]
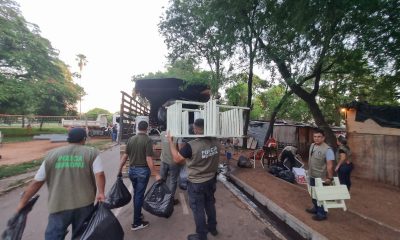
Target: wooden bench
[[332, 196]]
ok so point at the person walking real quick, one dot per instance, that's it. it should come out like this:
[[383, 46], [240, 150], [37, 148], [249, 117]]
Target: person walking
[[169, 170], [320, 163], [344, 165], [139, 150], [202, 159], [114, 133], [73, 174]]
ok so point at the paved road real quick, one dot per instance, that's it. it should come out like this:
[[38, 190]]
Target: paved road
[[234, 219]]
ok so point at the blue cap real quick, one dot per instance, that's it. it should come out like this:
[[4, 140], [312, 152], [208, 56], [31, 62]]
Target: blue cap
[[76, 135]]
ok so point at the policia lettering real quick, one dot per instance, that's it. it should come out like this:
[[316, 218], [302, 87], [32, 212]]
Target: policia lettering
[[209, 152], [69, 161]]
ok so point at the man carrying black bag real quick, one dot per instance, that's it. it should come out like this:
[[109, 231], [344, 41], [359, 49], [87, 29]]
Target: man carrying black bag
[[72, 174], [202, 159], [118, 195]]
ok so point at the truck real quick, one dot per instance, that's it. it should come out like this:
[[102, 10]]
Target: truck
[[98, 127]]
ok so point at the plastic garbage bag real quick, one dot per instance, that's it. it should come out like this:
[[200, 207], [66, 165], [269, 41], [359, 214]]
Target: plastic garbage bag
[[275, 170], [103, 225], [118, 195], [287, 175], [183, 176], [244, 162], [159, 200], [16, 224]]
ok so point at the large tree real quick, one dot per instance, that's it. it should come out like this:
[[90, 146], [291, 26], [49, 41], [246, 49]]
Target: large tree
[[191, 32], [32, 78]]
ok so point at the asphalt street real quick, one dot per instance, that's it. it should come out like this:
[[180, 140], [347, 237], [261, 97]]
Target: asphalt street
[[235, 221]]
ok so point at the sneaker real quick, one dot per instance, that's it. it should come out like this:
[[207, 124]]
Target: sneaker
[[311, 210], [140, 226]]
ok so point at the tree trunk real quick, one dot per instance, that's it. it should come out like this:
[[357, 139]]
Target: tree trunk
[[41, 123], [270, 130], [320, 121], [249, 95]]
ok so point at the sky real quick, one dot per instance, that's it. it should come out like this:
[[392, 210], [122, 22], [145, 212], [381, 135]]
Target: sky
[[119, 38]]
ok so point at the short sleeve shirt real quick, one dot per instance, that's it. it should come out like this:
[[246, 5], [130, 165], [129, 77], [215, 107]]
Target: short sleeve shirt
[[138, 148]]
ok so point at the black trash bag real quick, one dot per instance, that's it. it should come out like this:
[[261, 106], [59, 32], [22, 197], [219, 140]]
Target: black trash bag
[[103, 225], [183, 176], [78, 233], [118, 195], [16, 224], [287, 175], [244, 162], [159, 200], [275, 170]]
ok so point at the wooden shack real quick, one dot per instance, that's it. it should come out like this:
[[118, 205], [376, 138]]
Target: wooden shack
[[375, 147], [299, 135]]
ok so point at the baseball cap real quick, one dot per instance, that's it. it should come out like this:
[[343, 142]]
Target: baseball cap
[[76, 135]]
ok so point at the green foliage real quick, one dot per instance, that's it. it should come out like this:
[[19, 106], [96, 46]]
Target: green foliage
[[11, 170], [191, 31], [24, 132], [32, 78], [93, 113], [182, 69]]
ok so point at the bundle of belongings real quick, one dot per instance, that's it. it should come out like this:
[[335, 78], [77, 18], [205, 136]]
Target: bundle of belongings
[[289, 167]]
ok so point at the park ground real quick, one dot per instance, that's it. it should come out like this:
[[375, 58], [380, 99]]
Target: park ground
[[372, 213]]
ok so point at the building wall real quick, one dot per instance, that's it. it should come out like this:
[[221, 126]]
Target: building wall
[[376, 157], [368, 126]]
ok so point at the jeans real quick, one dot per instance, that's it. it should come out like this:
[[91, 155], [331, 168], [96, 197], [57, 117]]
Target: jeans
[[344, 174], [170, 173], [139, 177], [114, 137], [202, 203], [59, 222], [320, 209]]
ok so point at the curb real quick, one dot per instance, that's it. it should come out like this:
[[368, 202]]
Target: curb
[[25, 181], [297, 225]]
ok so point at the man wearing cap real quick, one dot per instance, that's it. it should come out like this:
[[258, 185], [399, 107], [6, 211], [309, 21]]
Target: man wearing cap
[[202, 158], [71, 173]]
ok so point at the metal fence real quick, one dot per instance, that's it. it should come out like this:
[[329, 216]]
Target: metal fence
[[33, 121]]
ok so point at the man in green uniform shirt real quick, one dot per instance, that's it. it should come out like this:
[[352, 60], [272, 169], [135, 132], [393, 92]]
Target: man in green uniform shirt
[[202, 159], [72, 173]]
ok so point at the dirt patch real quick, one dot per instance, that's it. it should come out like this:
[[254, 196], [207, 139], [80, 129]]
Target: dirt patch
[[14, 153], [373, 209]]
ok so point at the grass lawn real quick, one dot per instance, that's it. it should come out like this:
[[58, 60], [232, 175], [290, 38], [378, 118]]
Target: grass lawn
[[23, 134], [11, 170], [16, 169]]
